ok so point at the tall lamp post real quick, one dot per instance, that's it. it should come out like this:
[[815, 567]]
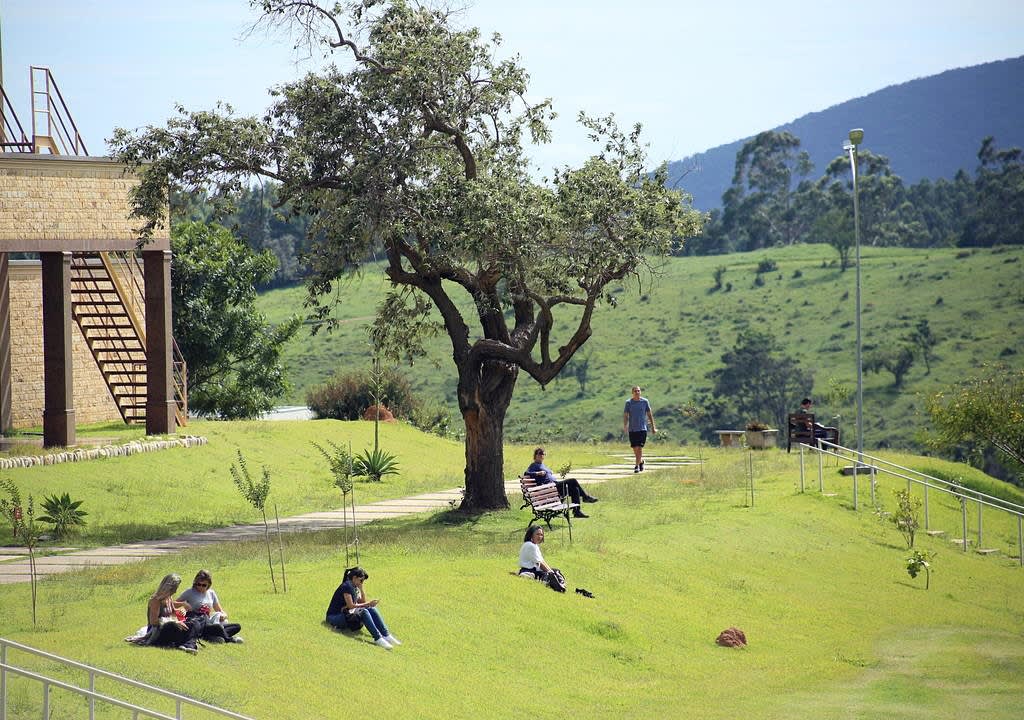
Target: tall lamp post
[[856, 137]]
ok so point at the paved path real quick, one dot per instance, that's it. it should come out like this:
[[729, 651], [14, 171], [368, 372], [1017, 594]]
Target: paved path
[[14, 565]]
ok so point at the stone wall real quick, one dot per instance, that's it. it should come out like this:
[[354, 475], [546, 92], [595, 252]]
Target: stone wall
[[50, 203], [93, 402]]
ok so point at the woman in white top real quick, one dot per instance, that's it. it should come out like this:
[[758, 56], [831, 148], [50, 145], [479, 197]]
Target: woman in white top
[[531, 562], [203, 598]]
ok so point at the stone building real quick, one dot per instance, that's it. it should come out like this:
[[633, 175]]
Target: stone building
[[85, 330]]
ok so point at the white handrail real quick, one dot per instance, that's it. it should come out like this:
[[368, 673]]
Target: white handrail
[[960, 492], [90, 693]]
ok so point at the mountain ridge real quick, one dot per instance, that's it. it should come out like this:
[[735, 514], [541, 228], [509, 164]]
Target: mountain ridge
[[928, 127]]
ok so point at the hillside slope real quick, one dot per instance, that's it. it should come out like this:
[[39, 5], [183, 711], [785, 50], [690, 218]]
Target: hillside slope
[[929, 128], [836, 628], [669, 335]]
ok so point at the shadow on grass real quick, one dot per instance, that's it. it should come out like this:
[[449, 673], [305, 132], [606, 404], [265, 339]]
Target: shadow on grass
[[455, 517]]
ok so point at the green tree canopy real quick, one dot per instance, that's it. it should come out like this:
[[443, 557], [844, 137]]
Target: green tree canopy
[[987, 410], [757, 382], [417, 147], [233, 355]]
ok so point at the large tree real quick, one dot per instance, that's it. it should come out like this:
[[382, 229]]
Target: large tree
[[757, 209], [757, 381], [416, 146]]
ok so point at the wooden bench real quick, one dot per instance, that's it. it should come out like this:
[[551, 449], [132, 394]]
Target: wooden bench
[[545, 502], [802, 429]]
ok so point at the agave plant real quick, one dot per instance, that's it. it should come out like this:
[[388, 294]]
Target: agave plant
[[374, 464], [63, 513]]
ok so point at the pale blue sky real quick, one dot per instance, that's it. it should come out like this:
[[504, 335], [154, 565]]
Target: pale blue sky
[[695, 74]]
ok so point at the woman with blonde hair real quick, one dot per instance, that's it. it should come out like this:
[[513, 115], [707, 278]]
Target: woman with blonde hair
[[165, 617]]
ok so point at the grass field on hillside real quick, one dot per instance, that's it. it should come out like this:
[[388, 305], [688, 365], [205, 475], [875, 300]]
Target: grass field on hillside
[[156, 495], [669, 334], [836, 628]]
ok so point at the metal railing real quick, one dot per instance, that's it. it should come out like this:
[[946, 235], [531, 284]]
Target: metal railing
[[89, 694], [51, 118], [12, 134], [865, 465]]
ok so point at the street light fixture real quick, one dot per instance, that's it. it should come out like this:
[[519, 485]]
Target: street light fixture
[[856, 137]]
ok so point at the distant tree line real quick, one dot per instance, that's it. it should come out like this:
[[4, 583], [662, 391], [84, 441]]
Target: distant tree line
[[774, 200]]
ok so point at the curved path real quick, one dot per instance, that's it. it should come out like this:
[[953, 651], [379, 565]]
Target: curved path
[[14, 566]]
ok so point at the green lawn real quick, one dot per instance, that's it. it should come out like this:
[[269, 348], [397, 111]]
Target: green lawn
[[669, 334], [170, 492], [836, 627]]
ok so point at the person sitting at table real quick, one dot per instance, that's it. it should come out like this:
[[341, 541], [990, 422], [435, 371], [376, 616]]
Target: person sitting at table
[[543, 474]]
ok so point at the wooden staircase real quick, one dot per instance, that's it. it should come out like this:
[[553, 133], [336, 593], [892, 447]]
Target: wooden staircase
[[107, 302]]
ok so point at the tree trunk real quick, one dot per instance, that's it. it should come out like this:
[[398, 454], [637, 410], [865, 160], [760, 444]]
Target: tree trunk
[[484, 397]]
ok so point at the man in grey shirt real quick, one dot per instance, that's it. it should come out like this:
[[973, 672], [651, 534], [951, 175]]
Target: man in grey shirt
[[636, 418]]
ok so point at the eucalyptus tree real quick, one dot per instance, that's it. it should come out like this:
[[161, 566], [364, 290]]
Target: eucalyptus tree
[[416, 147], [757, 209]]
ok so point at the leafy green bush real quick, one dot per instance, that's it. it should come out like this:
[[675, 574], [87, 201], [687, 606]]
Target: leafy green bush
[[63, 513], [920, 560], [346, 396], [374, 464]]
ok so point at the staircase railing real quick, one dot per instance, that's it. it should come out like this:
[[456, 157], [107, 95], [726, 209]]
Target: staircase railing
[[126, 272], [869, 466], [91, 697], [12, 134], [50, 112]]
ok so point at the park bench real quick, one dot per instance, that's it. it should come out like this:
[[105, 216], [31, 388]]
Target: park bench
[[545, 502], [802, 430]]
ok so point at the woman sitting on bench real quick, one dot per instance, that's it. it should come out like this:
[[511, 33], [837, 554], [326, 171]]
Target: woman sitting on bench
[[543, 474]]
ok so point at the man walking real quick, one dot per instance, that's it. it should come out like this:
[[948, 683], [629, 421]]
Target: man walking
[[636, 418]]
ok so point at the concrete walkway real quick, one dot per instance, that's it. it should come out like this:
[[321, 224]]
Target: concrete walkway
[[14, 564]]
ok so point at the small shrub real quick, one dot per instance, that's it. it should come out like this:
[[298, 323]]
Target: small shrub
[[63, 513], [766, 265], [798, 273], [919, 561], [374, 464], [347, 395], [906, 516], [255, 492], [759, 281], [756, 425], [938, 300]]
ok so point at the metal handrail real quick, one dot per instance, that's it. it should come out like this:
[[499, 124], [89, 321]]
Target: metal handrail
[[7, 130], [961, 493], [90, 693], [51, 110], [989, 500]]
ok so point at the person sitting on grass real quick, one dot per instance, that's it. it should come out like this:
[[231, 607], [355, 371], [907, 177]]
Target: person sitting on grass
[[202, 598], [531, 561], [349, 608], [166, 618], [543, 474]]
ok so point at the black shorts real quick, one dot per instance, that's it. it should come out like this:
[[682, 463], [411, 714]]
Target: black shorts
[[637, 438]]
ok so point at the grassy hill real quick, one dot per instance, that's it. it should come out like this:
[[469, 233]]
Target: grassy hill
[[667, 336], [836, 628]]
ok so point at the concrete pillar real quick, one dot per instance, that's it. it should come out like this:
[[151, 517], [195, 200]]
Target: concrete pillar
[[160, 406], [5, 344], [59, 402]]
